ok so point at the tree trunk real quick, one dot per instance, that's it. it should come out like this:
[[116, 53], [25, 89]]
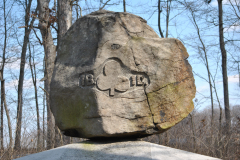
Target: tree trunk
[[224, 67], [64, 23], [238, 72], [34, 77], [207, 67], [167, 16], [57, 138], [3, 95], [43, 137], [218, 149], [1, 73], [50, 52], [50, 55], [1, 128], [17, 145], [64, 17], [166, 138], [159, 18], [9, 122], [224, 73], [124, 6], [20, 88], [193, 132]]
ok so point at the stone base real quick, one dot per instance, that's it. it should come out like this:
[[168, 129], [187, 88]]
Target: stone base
[[129, 150]]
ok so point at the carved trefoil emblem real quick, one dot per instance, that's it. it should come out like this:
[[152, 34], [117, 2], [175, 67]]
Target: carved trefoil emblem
[[114, 78]]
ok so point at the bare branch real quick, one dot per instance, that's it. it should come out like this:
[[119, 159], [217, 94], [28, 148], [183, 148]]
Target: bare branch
[[37, 37], [44, 90], [104, 5]]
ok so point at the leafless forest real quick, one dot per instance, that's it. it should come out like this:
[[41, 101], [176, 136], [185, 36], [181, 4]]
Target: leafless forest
[[30, 32]]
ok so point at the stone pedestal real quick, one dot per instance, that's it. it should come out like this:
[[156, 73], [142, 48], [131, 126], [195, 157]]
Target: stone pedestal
[[128, 150]]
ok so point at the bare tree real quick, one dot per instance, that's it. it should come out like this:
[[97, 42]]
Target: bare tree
[[28, 28], [224, 70], [64, 22], [167, 16], [9, 123], [43, 123], [204, 50], [45, 21], [34, 79], [3, 94], [2, 71], [159, 18]]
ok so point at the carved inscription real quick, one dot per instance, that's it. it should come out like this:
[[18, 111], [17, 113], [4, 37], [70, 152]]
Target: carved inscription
[[113, 78], [138, 80], [86, 80], [89, 79], [133, 80]]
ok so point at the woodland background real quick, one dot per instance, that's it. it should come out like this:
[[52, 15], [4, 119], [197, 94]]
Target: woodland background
[[30, 32]]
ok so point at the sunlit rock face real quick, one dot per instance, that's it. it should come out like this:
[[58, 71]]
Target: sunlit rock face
[[114, 77]]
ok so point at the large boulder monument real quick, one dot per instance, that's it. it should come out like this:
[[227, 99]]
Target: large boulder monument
[[114, 77]]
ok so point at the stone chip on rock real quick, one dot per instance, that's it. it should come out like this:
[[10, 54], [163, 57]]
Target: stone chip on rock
[[114, 77]]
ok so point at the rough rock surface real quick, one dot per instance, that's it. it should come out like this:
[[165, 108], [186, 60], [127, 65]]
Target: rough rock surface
[[114, 77], [131, 150]]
